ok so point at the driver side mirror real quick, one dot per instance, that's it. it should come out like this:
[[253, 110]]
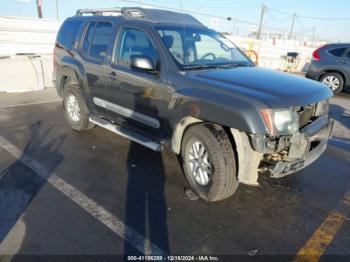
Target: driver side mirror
[[143, 63]]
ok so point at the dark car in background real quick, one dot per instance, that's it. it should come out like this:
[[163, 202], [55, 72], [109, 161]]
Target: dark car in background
[[331, 65]]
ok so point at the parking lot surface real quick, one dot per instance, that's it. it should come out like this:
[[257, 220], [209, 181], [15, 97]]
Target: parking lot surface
[[95, 193]]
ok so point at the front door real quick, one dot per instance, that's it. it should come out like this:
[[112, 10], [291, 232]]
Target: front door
[[135, 97]]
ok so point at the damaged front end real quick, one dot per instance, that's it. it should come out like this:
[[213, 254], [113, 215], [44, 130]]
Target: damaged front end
[[288, 153]]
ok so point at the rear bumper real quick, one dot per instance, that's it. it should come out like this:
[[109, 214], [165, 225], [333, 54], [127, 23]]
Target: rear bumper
[[305, 147], [314, 71]]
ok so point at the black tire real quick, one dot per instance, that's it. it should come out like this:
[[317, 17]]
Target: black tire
[[338, 77], [223, 180], [83, 123]]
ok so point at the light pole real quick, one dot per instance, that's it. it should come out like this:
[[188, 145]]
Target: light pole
[[234, 25], [292, 27], [57, 13], [39, 4], [263, 10]]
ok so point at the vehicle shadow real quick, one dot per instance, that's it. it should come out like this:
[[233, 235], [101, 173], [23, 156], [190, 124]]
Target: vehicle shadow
[[340, 114], [146, 208], [19, 184]]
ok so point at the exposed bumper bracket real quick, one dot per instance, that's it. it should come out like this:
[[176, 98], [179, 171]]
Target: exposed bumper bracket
[[248, 159]]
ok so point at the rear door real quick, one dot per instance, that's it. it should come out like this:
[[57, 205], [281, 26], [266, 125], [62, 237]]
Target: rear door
[[345, 61], [93, 50]]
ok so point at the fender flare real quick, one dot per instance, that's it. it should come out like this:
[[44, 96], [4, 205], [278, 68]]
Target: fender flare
[[70, 73], [179, 130]]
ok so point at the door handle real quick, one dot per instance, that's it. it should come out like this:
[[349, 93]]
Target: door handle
[[343, 61]]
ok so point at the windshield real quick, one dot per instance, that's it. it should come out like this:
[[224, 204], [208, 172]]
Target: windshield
[[198, 47]]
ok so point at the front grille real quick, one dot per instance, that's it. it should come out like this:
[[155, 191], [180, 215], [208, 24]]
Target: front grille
[[309, 113], [305, 115]]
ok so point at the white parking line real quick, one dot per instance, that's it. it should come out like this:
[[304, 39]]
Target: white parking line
[[105, 217], [339, 140], [30, 104]]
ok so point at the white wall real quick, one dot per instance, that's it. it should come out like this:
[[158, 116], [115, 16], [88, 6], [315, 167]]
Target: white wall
[[27, 35], [25, 73]]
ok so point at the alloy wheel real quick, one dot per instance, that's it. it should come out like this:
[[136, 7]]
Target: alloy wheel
[[200, 164], [72, 108], [332, 82]]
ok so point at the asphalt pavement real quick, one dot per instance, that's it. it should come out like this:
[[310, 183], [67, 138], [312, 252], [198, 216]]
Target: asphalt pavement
[[96, 194]]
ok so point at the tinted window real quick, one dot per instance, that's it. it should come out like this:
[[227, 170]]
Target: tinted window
[[172, 40], [88, 38], [96, 40], [196, 47], [134, 42], [349, 54], [337, 52], [208, 43], [68, 33]]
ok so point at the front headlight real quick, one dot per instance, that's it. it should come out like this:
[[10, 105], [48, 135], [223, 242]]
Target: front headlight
[[280, 121]]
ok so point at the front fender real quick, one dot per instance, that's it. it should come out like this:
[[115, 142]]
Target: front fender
[[227, 110]]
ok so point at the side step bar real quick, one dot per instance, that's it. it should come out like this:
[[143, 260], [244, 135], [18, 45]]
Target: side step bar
[[131, 135]]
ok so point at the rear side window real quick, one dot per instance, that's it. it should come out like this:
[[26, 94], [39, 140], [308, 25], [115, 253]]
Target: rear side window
[[337, 52], [96, 40], [68, 33]]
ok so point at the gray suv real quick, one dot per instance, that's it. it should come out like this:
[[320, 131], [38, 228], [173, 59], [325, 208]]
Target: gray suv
[[164, 80], [331, 65]]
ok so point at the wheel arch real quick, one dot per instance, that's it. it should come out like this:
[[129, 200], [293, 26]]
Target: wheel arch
[[67, 75], [341, 73], [179, 131], [247, 160]]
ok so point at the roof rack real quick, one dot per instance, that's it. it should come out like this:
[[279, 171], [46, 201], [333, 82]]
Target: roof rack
[[130, 12], [99, 11], [144, 14]]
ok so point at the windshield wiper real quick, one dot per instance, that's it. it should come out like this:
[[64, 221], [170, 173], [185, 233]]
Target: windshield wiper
[[208, 66], [231, 65], [199, 67]]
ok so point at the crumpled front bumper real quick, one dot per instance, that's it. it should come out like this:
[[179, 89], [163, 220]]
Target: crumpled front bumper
[[305, 147]]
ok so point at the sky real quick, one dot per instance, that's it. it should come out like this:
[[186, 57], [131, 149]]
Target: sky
[[243, 10]]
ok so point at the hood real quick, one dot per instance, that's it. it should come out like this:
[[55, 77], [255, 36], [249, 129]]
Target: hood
[[276, 89]]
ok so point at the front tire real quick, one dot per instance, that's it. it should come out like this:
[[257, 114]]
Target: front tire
[[334, 81], [209, 162], [75, 109]]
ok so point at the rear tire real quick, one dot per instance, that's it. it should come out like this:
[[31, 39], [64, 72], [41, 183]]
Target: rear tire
[[209, 162], [334, 81], [75, 109]]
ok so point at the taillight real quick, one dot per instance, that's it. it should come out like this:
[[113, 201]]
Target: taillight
[[316, 55]]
